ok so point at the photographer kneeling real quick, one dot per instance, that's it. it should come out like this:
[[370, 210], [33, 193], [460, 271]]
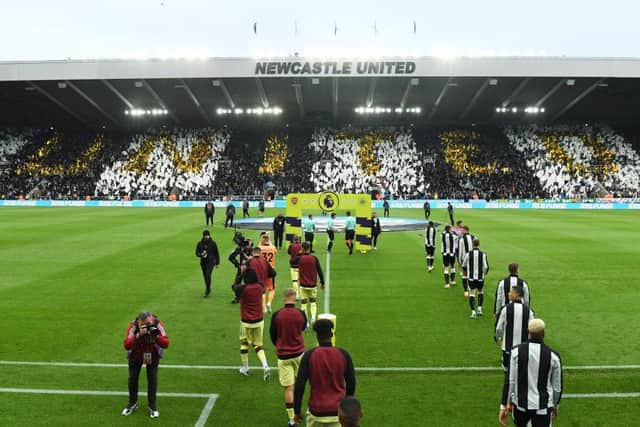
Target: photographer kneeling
[[144, 342]]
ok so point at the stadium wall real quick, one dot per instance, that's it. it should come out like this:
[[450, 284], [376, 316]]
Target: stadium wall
[[280, 204]]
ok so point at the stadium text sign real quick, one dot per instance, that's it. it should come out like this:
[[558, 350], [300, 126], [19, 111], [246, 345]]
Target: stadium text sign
[[333, 68]]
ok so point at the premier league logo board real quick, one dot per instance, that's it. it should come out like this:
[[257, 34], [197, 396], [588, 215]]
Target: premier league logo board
[[328, 201]]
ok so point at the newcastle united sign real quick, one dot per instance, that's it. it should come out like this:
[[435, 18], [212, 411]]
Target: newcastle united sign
[[334, 68]]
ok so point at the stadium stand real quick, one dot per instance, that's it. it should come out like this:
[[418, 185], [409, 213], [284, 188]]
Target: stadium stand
[[524, 162], [576, 161], [360, 160]]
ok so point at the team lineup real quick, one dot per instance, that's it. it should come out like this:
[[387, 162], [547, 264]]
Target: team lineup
[[516, 330]]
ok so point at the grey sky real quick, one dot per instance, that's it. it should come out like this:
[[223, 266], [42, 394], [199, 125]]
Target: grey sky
[[46, 29]]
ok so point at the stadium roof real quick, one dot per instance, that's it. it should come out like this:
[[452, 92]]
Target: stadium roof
[[455, 91]]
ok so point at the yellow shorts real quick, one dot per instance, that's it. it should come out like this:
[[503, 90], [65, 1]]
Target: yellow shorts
[[294, 274], [252, 332], [313, 421], [308, 293], [287, 370]]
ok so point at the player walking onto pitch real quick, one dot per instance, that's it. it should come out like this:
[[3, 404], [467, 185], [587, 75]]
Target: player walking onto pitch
[[251, 321], [476, 267], [268, 252], [465, 244], [294, 250], [309, 271], [287, 325], [430, 244], [350, 232], [448, 250]]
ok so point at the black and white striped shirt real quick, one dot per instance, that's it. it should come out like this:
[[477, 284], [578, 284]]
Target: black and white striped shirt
[[430, 237], [465, 244], [512, 324], [449, 243], [475, 264], [535, 377], [502, 292]]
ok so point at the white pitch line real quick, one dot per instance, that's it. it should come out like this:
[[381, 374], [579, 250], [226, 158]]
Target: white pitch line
[[208, 407], [361, 368], [202, 419], [100, 393], [599, 395]]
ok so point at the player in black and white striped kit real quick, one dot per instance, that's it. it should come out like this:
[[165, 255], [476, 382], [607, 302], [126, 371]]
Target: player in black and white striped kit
[[476, 266], [448, 255], [504, 285], [465, 244], [430, 244], [511, 327], [535, 381]]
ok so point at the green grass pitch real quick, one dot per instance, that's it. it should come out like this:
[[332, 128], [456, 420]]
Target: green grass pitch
[[72, 278]]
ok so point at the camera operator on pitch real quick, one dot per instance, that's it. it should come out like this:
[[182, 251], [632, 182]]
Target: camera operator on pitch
[[241, 254], [145, 342]]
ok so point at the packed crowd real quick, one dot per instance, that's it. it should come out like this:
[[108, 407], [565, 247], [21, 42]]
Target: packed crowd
[[359, 161], [463, 165], [574, 161], [159, 163], [524, 162]]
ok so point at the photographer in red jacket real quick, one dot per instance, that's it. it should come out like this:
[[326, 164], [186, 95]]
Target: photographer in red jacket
[[145, 341]]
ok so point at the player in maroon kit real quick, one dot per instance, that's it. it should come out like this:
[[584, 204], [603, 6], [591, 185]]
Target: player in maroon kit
[[287, 325], [331, 377], [251, 321]]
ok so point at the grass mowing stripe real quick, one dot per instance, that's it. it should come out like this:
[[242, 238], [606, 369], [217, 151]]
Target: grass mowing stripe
[[361, 368]]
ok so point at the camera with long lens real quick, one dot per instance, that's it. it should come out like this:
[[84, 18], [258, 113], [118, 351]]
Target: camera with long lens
[[239, 239], [152, 329]]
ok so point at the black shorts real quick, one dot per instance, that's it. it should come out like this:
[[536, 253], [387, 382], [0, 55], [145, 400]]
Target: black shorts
[[448, 260], [430, 250], [521, 418], [331, 234], [308, 237], [475, 284], [506, 359], [350, 235]]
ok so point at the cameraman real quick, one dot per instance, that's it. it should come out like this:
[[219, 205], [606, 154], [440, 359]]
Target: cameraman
[[240, 255], [144, 342], [207, 251]]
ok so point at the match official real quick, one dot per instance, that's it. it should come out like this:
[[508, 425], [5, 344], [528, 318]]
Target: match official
[[535, 381], [476, 266], [287, 325], [350, 232], [278, 230], [376, 229], [504, 285], [309, 226], [209, 212], [331, 231]]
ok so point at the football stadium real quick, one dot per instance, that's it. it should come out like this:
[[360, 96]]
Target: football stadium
[[427, 208]]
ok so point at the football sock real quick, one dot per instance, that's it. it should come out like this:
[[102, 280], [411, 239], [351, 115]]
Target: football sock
[[465, 283], [314, 310], [472, 302], [303, 306], [290, 413], [453, 275], [263, 358], [446, 278], [480, 299], [244, 358]]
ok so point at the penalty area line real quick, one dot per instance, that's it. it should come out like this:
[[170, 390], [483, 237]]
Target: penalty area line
[[202, 419]]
